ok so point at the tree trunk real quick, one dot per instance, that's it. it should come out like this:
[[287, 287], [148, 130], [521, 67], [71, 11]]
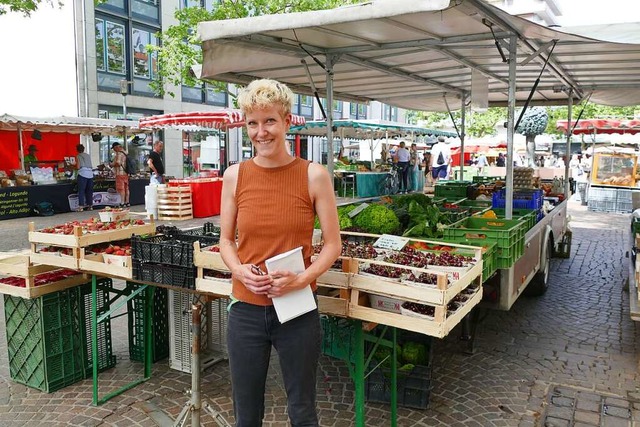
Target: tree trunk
[[531, 150]]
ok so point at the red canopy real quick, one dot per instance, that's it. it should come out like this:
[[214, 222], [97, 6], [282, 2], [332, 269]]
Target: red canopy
[[222, 119], [600, 126]]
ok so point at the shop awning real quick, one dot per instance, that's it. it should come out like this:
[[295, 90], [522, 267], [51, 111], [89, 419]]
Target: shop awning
[[600, 126], [75, 125], [196, 120], [415, 54], [365, 129]]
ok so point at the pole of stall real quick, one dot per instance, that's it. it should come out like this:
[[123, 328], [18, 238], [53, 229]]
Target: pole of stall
[[462, 123], [569, 127], [20, 147], [394, 378], [329, 72], [195, 365], [358, 340], [511, 109]]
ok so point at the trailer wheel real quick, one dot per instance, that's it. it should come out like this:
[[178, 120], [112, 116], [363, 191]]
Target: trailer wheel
[[540, 281]]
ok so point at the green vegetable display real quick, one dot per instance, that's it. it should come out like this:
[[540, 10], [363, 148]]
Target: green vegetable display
[[424, 222], [377, 219], [415, 353], [343, 216]]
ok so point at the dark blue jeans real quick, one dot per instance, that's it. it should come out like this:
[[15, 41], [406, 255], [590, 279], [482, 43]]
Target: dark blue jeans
[[252, 331], [85, 191], [404, 175]]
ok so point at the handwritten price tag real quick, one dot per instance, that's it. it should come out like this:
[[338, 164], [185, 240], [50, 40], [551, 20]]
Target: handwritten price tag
[[388, 241]]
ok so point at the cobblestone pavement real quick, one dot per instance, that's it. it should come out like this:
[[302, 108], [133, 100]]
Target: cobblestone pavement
[[569, 358]]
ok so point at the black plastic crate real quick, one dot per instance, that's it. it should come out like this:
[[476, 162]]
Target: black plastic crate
[[181, 277], [106, 358], [175, 250], [207, 229], [159, 325]]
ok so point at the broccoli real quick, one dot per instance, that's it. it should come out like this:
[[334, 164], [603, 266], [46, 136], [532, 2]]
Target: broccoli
[[415, 353], [377, 219]]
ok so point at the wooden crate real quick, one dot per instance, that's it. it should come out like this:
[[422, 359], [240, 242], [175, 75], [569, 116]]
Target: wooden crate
[[20, 264], [174, 203], [32, 291], [94, 264], [439, 327], [207, 259], [56, 259], [81, 240]]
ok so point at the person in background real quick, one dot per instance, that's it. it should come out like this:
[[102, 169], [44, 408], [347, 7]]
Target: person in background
[[155, 163], [415, 167], [31, 157], [482, 163], [426, 165], [440, 159], [402, 158], [269, 204], [501, 161], [85, 179], [122, 177]]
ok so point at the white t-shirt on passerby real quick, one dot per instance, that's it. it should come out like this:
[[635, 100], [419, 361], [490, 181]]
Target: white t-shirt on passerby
[[403, 155], [440, 147]]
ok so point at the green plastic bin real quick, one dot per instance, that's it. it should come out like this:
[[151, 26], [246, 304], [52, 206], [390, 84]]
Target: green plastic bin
[[452, 189], [159, 325], [44, 340], [529, 216]]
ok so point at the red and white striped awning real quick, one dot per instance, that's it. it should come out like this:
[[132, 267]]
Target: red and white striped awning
[[222, 119], [596, 126]]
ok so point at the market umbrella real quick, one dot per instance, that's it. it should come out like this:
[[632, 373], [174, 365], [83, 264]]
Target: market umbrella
[[596, 126]]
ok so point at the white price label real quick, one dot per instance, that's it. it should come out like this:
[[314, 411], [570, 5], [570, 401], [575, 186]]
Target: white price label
[[388, 241], [357, 210]]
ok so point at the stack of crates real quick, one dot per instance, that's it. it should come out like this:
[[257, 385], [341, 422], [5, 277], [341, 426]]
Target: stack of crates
[[338, 338], [455, 190], [159, 324], [213, 331], [167, 259], [44, 340], [508, 235], [106, 358], [532, 199], [615, 200], [413, 386], [489, 254]]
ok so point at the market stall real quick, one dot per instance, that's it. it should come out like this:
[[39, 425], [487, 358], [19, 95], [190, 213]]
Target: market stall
[[613, 176], [50, 178]]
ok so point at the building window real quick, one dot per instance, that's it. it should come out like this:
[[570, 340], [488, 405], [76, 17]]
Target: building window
[[389, 113], [145, 64], [357, 111], [110, 46], [146, 10]]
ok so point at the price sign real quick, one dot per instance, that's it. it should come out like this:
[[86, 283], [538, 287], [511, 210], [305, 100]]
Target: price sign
[[388, 241], [357, 210]]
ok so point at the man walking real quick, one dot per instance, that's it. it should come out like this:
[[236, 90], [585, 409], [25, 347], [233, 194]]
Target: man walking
[[402, 157], [155, 164], [122, 177]]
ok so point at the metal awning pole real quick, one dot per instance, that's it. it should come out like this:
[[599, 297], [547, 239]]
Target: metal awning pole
[[569, 131], [329, 70], [511, 110], [462, 127]]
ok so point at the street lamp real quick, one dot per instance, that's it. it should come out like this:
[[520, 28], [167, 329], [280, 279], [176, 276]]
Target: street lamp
[[124, 91]]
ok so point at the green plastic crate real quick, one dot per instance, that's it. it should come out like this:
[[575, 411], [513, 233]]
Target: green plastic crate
[[480, 179], [454, 214], [338, 338], [635, 225], [43, 340], [476, 203], [507, 234], [106, 358], [529, 216], [452, 189], [159, 325]]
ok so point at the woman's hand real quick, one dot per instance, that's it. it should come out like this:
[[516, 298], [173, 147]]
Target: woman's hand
[[283, 283], [259, 284]]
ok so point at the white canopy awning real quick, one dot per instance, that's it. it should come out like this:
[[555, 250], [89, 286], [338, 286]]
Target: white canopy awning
[[75, 125], [413, 54]]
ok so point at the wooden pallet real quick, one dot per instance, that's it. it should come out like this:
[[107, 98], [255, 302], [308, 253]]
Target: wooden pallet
[[175, 203]]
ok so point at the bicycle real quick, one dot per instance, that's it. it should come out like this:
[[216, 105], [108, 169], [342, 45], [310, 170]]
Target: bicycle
[[390, 184]]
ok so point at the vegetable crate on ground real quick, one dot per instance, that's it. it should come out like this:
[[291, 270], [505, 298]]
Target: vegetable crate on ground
[[20, 277], [413, 378], [106, 358], [213, 330], [159, 325], [79, 237], [338, 338], [174, 203], [44, 340], [507, 234], [395, 294]]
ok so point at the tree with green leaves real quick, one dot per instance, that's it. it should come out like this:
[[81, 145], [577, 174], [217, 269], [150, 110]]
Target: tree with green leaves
[[478, 124], [180, 47], [533, 123], [26, 7]]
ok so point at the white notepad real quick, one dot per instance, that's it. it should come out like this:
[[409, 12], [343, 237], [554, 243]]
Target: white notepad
[[294, 303]]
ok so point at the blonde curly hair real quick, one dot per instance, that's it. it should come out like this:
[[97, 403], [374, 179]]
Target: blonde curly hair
[[265, 93]]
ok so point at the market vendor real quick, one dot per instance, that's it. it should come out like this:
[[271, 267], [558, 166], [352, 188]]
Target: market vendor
[[31, 157]]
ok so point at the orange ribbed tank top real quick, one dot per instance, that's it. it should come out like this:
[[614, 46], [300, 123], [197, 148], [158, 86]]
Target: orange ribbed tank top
[[275, 215]]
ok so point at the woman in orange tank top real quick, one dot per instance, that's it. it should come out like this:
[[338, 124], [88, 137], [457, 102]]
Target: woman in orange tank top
[[269, 202]]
